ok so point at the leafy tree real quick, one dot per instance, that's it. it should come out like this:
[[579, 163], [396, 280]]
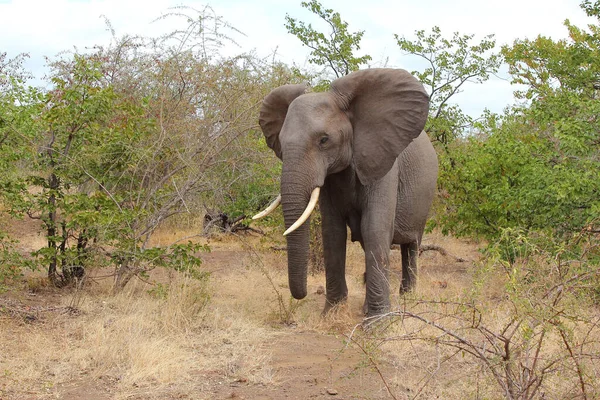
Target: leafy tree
[[562, 79], [335, 51], [537, 167], [130, 136], [78, 112], [450, 63], [18, 105]]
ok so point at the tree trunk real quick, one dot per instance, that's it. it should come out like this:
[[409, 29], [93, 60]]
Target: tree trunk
[[53, 276], [123, 276]]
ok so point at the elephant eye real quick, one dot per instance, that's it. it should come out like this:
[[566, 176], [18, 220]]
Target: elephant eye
[[324, 140]]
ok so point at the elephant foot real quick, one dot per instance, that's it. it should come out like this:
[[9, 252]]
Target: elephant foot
[[375, 313], [407, 288], [376, 308], [331, 304], [377, 322]]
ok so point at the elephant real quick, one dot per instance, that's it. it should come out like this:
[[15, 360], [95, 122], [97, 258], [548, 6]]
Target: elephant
[[360, 149]]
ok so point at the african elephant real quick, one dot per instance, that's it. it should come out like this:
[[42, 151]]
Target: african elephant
[[361, 150]]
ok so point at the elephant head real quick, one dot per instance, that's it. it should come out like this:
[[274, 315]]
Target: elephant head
[[363, 122]]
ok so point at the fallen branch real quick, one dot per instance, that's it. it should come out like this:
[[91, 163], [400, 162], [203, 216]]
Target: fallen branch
[[226, 224], [31, 313], [432, 247]]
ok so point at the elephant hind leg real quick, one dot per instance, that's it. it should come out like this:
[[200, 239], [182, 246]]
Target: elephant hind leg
[[410, 252]]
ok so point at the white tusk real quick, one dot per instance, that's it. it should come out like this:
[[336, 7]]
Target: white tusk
[[314, 196], [269, 209]]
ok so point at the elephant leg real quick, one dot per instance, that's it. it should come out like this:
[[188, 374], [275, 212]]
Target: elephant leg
[[377, 277], [410, 253], [377, 227], [334, 233]]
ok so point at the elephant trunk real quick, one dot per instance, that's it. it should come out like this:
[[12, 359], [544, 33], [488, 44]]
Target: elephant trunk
[[296, 188]]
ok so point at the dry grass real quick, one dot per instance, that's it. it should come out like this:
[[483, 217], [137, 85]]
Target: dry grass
[[182, 227], [142, 343]]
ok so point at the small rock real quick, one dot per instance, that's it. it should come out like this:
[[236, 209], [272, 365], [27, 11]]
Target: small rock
[[332, 392], [321, 290]]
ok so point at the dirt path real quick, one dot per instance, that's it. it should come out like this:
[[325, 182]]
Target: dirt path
[[310, 365]]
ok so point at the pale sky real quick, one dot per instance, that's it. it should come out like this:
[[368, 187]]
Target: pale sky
[[46, 27]]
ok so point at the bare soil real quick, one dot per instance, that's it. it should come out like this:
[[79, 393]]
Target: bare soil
[[307, 357]]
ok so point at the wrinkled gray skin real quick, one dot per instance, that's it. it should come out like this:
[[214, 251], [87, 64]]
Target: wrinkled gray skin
[[362, 143]]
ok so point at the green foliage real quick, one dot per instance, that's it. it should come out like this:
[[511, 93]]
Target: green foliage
[[255, 179], [181, 257], [549, 67], [535, 168], [517, 177], [335, 52], [86, 129], [12, 261], [18, 105]]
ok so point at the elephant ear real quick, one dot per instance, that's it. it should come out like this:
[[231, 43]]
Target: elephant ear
[[273, 111], [388, 109]]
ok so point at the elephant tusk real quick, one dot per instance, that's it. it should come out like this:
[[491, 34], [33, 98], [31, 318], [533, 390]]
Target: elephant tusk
[[314, 196], [269, 209]]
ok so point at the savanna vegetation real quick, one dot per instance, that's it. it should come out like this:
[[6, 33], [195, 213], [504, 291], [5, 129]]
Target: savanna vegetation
[[147, 134]]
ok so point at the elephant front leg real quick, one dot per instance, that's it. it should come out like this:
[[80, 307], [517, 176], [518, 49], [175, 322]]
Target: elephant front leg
[[377, 299], [377, 229], [334, 233], [410, 253], [377, 238]]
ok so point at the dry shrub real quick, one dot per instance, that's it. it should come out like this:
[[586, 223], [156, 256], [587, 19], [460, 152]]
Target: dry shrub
[[523, 329]]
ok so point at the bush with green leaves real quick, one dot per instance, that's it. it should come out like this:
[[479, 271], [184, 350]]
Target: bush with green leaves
[[131, 135], [18, 104], [537, 167]]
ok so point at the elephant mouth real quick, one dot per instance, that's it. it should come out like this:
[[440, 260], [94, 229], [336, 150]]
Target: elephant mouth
[[314, 197]]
